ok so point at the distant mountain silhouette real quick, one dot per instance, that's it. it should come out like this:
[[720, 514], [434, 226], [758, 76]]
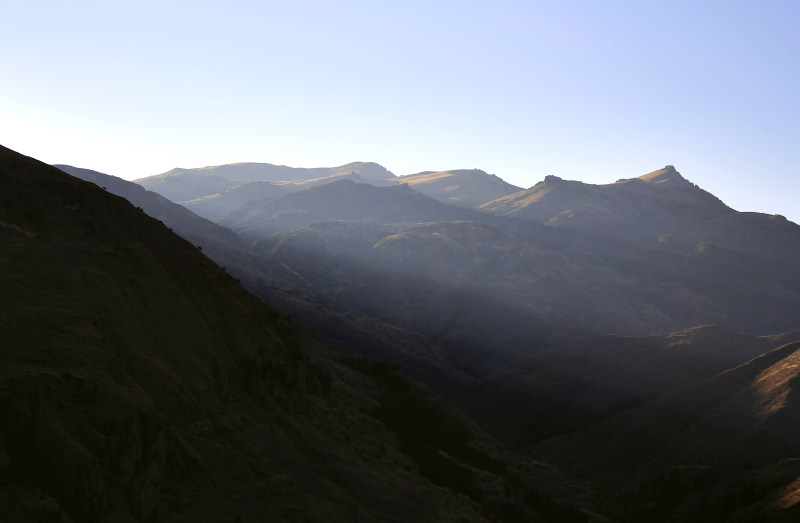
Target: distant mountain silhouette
[[189, 184], [574, 321], [341, 200], [217, 205], [643, 208], [141, 382], [461, 187], [645, 255]]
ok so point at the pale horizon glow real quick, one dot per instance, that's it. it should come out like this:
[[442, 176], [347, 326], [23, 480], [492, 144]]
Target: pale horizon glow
[[522, 89]]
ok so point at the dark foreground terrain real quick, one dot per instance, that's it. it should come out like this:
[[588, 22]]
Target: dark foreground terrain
[[140, 381]]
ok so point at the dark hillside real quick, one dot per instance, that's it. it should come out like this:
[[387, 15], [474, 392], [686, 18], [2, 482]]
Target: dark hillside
[[719, 449], [559, 391], [140, 382]]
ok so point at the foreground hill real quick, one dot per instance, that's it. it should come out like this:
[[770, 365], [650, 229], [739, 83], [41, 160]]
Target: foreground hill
[[287, 289], [426, 284], [721, 449], [188, 225], [139, 381]]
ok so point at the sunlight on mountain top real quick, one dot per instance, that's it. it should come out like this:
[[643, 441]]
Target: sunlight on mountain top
[[535, 194], [425, 178], [662, 175]]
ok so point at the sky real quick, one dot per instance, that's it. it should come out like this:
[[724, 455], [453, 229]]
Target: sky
[[590, 91]]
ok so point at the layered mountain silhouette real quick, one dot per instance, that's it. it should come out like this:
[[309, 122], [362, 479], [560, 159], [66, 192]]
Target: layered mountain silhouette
[[140, 381], [461, 187], [625, 332], [340, 200], [661, 202], [189, 184], [644, 255], [217, 205]]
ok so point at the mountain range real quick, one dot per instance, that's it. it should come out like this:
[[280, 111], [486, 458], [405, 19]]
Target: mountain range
[[619, 352], [141, 382]]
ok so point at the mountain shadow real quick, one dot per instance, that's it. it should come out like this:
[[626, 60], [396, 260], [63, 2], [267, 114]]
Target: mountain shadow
[[723, 448], [140, 381]]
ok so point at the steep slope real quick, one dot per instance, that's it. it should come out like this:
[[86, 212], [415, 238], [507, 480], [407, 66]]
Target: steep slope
[[188, 184], [139, 381], [189, 226], [287, 289], [720, 447], [461, 187], [559, 391], [220, 244], [342, 200]]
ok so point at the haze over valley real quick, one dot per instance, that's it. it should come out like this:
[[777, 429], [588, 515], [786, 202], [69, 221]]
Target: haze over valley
[[399, 262], [537, 323]]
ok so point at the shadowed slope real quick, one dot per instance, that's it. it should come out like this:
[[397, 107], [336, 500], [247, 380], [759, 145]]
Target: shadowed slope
[[215, 206], [710, 449], [559, 391], [762, 235], [342, 200], [187, 224], [139, 381], [288, 289]]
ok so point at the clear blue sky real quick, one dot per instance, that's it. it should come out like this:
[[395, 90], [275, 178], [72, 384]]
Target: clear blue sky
[[592, 91]]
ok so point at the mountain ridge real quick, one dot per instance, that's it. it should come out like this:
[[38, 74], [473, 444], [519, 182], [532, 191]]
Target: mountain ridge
[[140, 381], [676, 256], [182, 184], [462, 187]]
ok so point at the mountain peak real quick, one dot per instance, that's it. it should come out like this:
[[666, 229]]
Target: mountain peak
[[666, 174]]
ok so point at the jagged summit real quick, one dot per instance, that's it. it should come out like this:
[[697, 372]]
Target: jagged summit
[[668, 173]]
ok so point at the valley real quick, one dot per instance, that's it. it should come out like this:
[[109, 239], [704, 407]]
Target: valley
[[346, 344]]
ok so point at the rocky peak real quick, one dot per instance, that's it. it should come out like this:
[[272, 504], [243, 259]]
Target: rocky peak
[[668, 173]]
